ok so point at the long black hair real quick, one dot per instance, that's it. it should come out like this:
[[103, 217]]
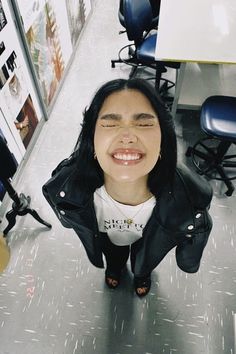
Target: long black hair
[[89, 172]]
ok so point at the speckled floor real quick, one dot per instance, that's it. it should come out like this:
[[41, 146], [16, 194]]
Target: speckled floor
[[53, 301]]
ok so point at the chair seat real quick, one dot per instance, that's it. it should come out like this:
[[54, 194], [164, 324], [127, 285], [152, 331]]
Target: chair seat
[[146, 51], [218, 117]]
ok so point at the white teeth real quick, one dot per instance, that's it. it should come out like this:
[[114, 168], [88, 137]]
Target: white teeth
[[127, 157]]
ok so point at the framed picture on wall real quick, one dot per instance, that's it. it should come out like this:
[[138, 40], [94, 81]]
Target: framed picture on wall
[[46, 53], [26, 121], [47, 32]]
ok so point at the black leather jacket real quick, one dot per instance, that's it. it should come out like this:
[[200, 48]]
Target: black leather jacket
[[180, 218]]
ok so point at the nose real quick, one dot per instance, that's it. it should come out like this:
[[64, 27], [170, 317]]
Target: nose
[[127, 136]]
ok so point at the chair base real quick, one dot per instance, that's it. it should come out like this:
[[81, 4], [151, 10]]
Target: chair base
[[20, 206], [210, 159]]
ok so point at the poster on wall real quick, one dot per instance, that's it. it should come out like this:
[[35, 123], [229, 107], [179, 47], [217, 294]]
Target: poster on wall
[[46, 52], [78, 11], [30, 10], [47, 33], [15, 91], [26, 121]]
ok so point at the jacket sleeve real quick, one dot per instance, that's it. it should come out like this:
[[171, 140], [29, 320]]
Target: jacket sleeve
[[50, 189], [190, 250], [198, 189]]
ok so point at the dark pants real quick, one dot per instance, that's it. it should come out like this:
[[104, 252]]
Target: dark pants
[[117, 256]]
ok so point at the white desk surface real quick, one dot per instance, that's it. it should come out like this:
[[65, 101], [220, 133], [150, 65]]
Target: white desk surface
[[197, 30]]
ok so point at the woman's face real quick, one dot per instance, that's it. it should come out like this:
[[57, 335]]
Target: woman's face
[[127, 136]]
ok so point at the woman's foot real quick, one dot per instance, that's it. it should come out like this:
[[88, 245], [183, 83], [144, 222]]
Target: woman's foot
[[142, 285], [112, 279]]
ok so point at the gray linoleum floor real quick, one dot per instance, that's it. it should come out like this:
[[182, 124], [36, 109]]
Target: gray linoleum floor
[[53, 301]]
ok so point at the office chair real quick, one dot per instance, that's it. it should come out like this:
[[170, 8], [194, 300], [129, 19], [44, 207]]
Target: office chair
[[211, 155], [137, 18], [155, 4]]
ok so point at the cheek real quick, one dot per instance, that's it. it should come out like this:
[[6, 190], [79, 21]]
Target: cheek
[[154, 142], [101, 144]]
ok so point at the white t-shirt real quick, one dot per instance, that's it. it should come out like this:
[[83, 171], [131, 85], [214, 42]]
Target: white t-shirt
[[124, 224]]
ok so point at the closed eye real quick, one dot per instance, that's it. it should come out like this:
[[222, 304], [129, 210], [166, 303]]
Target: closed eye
[[145, 124], [139, 124], [109, 125]]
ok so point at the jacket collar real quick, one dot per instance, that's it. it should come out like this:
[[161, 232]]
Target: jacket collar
[[69, 192]]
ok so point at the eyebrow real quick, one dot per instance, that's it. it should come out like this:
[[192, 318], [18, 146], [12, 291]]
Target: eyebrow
[[118, 117]]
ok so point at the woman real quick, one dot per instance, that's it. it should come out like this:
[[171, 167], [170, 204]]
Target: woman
[[122, 192]]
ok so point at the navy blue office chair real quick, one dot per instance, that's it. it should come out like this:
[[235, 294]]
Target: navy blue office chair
[[155, 4], [212, 155], [138, 17]]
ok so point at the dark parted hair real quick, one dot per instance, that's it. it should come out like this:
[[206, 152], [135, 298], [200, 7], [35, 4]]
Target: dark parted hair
[[89, 172]]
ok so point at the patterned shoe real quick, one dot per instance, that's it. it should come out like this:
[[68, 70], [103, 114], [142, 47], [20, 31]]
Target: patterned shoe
[[112, 279], [142, 285]]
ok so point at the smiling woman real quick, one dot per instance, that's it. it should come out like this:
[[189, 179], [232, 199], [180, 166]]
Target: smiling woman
[[122, 191]]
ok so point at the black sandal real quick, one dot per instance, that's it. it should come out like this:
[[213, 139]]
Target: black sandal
[[112, 279], [142, 285]]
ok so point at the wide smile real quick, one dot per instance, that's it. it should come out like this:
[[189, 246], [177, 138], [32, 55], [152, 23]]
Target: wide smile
[[127, 157]]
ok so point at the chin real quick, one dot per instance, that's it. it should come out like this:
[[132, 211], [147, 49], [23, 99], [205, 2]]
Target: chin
[[127, 178]]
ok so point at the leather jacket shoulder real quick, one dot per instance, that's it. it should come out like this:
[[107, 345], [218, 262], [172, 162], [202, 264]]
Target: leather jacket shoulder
[[62, 189], [179, 204]]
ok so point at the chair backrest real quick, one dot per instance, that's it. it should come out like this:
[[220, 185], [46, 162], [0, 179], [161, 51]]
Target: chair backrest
[[155, 4], [121, 14], [137, 17]]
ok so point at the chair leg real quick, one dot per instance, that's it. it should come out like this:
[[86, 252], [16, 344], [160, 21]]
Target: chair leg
[[160, 69], [226, 180], [221, 151], [114, 62], [133, 72]]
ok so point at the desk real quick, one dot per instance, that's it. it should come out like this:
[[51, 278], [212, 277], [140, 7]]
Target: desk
[[201, 31]]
